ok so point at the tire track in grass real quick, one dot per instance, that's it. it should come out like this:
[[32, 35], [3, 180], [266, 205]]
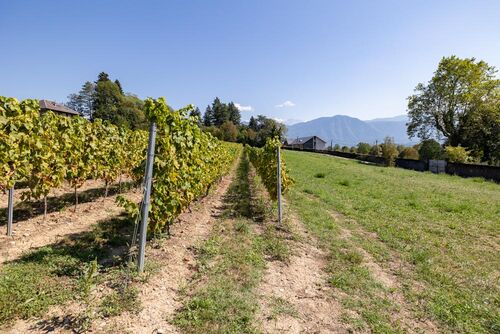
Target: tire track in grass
[[363, 285], [437, 224], [387, 273], [295, 295]]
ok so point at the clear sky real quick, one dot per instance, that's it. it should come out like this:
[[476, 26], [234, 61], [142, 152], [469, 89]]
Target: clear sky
[[281, 58]]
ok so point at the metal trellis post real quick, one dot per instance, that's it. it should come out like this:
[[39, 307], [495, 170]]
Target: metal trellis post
[[278, 173], [10, 211], [143, 228]]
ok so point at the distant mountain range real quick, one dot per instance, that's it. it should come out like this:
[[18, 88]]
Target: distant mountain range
[[345, 130]]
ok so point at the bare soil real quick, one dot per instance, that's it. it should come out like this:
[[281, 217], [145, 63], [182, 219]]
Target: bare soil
[[160, 296], [65, 189], [37, 232], [302, 285]]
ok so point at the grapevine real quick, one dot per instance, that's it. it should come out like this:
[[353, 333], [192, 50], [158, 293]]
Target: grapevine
[[47, 150], [265, 162], [187, 161]]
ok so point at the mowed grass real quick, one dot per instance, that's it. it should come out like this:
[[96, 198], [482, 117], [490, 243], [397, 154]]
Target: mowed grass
[[58, 274], [223, 298], [443, 229]]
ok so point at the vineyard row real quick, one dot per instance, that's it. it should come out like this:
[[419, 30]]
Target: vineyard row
[[44, 151]]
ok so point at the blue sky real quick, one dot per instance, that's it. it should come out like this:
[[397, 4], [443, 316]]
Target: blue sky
[[285, 59]]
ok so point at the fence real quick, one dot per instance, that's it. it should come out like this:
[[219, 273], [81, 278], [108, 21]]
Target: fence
[[466, 170], [418, 165], [463, 170], [437, 166]]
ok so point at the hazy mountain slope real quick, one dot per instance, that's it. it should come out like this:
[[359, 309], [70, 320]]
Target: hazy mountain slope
[[345, 130]]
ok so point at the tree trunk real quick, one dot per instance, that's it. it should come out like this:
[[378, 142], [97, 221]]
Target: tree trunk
[[107, 188], [120, 184]]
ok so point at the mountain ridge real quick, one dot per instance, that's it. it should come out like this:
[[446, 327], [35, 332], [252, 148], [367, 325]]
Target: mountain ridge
[[347, 130]]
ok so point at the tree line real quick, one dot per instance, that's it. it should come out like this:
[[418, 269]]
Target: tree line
[[223, 120], [105, 99], [460, 107], [428, 149], [456, 115]]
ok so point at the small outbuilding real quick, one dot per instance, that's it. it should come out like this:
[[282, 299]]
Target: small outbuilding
[[311, 142], [58, 109]]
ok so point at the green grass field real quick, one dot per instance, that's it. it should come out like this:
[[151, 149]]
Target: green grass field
[[436, 236]]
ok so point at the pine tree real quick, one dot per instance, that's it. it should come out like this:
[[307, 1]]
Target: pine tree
[[234, 114], [107, 99], [117, 82], [103, 76], [253, 124], [208, 117], [83, 100], [220, 112]]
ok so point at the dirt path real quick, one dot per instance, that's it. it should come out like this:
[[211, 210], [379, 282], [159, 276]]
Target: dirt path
[[175, 257], [296, 297], [159, 295], [35, 232]]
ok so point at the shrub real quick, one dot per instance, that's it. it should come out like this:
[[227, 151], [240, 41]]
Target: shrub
[[320, 175], [430, 149], [364, 148], [457, 154], [389, 151], [375, 150], [409, 153]]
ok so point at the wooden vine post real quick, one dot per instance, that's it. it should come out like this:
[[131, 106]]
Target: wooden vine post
[[143, 228]]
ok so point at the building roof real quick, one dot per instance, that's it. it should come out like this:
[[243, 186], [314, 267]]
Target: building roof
[[302, 140], [50, 105]]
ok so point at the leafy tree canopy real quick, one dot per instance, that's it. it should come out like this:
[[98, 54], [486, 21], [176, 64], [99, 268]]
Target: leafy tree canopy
[[105, 99], [363, 148], [430, 149], [454, 104]]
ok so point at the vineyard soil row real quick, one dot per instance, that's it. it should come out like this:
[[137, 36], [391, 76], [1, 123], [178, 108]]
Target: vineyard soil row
[[171, 264], [31, 232]]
